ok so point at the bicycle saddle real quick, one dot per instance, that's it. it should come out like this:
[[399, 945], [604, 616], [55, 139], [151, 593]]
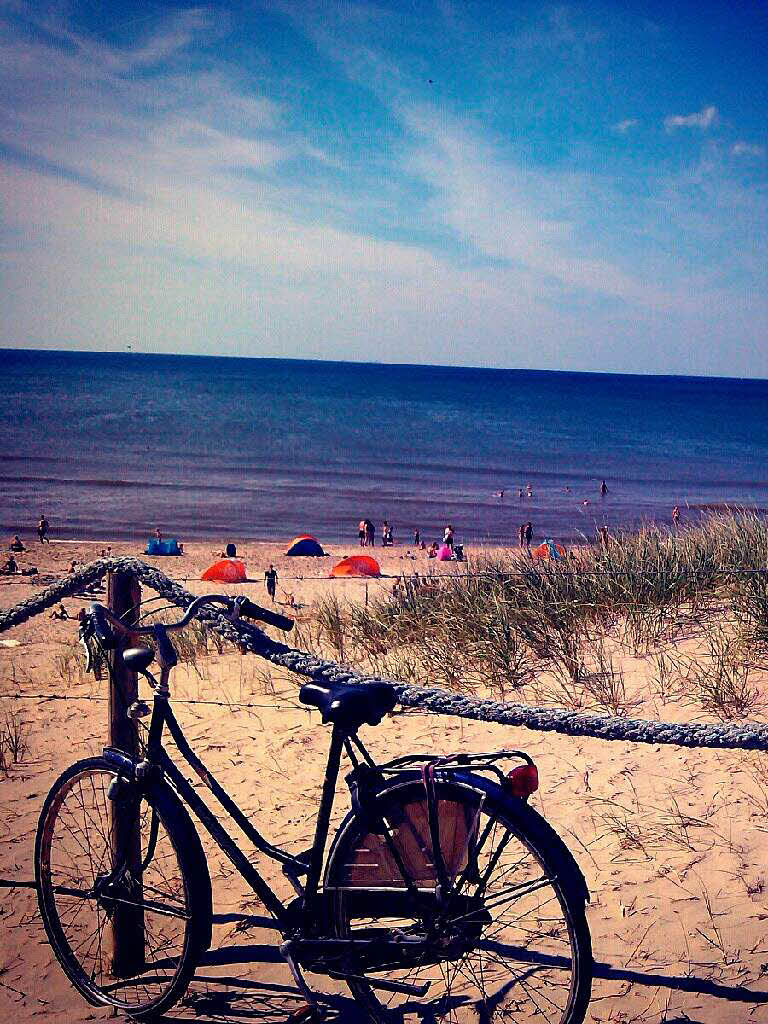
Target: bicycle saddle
[[350, 704]]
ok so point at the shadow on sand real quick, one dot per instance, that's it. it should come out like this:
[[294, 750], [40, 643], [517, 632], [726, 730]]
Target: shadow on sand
[[219, 995]]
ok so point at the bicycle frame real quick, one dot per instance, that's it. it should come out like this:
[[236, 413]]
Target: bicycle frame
[[157, 758], [301, 922]]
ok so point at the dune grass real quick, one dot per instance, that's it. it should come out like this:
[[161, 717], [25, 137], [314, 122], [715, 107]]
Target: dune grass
[[500, 621]]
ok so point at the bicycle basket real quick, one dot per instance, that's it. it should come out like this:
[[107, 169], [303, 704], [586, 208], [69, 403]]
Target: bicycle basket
[[372, 864]]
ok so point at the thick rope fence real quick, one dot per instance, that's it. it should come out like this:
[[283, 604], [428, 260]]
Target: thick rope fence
[[732, 736]]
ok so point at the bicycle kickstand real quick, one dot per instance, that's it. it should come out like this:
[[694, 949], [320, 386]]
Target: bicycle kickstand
[[311, 1012]]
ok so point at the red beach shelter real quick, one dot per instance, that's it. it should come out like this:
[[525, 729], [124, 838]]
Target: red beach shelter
[[357, 565]]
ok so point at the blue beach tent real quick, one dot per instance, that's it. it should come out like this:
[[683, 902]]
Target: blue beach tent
[[305, 545], [163, 547]]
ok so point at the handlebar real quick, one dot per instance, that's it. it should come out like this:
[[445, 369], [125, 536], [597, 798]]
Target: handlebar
[[104, 621]]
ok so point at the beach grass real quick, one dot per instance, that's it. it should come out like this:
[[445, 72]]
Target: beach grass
[[502, 621]]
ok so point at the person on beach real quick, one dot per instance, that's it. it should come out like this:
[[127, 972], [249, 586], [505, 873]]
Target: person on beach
[[448, 536], [603, 534], [520, 493], [72, 565], [11, 567], [17, 544], [603, 489], [370, 534], [386, 534], [416, 538], [521, 533], [59, 613], [432, 550], [270, 578], [43, 527], [361, 532], [528, 536], [676, 515], [158, 535]]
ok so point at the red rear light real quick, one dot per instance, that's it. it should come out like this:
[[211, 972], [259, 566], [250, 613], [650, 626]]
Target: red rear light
[[522, 781]]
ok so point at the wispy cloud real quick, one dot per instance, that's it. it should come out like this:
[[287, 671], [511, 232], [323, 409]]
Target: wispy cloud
[[165, 192], [704, 119], [747, 149], [626, 126]]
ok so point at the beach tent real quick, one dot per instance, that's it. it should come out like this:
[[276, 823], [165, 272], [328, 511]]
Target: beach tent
[[357, 565], [549, 550], [306, 544], [228, 570], [163, 547], [444, 553]]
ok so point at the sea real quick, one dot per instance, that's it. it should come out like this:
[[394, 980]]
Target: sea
[[111, 446]]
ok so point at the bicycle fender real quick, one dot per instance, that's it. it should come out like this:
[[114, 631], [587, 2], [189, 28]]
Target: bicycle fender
[[164, 796]]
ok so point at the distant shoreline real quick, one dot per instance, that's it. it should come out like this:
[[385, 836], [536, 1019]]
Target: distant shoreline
[[113, 445]]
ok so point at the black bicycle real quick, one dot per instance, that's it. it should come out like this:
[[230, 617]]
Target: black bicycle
[[442, 897]]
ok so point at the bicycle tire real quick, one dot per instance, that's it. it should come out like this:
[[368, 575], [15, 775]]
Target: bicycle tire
[[162, 888], [523, 985]]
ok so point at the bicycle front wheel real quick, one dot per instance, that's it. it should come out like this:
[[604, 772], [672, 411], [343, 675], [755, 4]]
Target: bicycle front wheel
[[510, 942], [123, 888]]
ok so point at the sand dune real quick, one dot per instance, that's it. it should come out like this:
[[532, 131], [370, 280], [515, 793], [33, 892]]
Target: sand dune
[[672, 842]]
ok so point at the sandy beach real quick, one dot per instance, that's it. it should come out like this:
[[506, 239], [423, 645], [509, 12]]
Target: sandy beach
[[672, 842]]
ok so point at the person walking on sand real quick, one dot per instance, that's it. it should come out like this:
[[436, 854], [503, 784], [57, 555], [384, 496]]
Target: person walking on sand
[[416, 538], [521, 533], [270, 578], [43, 527], [603, 489], [676, 515], [528, 536], [370, 534]]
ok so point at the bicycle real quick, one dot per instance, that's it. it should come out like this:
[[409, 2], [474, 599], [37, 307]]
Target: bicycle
[[443, 895]]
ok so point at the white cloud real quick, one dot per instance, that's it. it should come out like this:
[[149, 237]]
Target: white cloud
[[198, 242], [625, 126], [747, 149], [703, 119]]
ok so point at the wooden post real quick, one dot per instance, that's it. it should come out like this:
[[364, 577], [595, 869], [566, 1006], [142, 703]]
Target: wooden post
[[128, 952]]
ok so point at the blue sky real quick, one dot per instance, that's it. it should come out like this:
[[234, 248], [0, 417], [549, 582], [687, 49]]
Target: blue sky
[[496, 184]]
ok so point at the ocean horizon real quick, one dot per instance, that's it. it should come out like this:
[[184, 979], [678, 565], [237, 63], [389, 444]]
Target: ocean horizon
[[112, 445]]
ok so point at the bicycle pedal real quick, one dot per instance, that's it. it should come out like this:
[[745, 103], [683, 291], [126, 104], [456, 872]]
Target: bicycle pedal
[[306, 1014]]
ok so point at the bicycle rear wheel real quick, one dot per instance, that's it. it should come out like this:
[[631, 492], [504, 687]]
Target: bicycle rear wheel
[[513, 944], [107, 862]]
